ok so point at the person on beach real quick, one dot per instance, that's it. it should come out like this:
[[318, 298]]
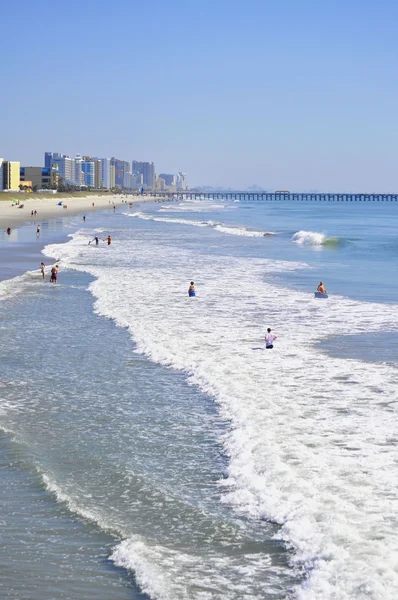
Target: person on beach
[[54, 274], [32, 213], [35, 213], [269, 339], [321, 288], [42, 267], [191, 290], [96, 240], [38, 230], [109, 240]]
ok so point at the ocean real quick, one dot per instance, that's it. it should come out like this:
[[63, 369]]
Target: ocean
[[151, 448]]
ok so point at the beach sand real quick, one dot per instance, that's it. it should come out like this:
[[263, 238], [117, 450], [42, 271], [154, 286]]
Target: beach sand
[[47, 207]]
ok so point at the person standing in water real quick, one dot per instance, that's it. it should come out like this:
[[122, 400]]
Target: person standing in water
[[96, 240], [109, 240], [54, 274], [42, 267], [191, 290], [84, 218], [269, 339], [38, 230]]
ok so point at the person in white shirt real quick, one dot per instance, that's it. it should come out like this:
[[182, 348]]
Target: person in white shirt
[[269, 339]]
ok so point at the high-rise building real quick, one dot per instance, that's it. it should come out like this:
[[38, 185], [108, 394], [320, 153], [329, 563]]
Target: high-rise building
[[10, 169], [88, 170], [160, 184], [112, 183], [49, 157], [1, 174], [147, 171], [106, 173], [121, 167], [65, 165], [98, 173], [132, 181], [169, 180], [78, 174], [181, 181]]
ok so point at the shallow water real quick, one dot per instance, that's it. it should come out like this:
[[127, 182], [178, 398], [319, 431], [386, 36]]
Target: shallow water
[[220, 472]]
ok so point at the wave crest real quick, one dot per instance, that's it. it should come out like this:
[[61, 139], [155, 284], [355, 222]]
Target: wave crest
[[313, 238]]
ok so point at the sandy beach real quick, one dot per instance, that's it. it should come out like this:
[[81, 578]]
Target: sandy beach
[[48, 207]]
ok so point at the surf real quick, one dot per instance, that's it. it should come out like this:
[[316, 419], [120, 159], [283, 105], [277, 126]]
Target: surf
[[313, 238], [295, 455]]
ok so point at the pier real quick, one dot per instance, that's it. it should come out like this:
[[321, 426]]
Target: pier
[[274, 196]]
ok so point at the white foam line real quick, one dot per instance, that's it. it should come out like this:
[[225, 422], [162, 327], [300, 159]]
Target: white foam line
[[242, 231]]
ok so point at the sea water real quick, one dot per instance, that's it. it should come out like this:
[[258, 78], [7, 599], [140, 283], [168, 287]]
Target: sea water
[[199, 465]]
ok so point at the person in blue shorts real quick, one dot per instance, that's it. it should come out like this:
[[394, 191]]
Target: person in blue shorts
[[191, 290]]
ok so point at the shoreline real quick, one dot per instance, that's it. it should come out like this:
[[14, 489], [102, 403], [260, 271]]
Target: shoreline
[[48, 208], [22, 249]]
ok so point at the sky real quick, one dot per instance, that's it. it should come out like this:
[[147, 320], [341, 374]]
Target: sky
[[291, 94]]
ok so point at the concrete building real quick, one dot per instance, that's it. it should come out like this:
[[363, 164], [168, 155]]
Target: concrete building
[[112, 183], [40, 177], [88, 170], [1, 174], [160, 184], [49, 157], [78, 177], [98, 170], [121, 167], [105, 173], [132, 181], [65, 165], [169, 180], [181, 181], [10, 174], [147, 171]]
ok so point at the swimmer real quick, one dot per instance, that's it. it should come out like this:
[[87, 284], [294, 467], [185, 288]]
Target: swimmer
[[42, 267], [8, 230], [321, 288], [191, 290], [269, 339]]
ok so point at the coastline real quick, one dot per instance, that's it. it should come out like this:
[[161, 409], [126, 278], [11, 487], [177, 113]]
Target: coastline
[[48, 208], [21, 251]]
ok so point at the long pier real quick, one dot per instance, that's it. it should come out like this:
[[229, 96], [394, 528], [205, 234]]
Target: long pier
[[274, 196]]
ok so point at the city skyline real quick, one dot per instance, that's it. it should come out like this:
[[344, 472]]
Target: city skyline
[[60, 171], [278, 95]]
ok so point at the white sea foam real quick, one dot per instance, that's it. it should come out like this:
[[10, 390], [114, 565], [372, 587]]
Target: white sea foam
[[159, 574], [312, 443], [309, 237], [242, 231], [192, 206], [30, 280], [312, 238]]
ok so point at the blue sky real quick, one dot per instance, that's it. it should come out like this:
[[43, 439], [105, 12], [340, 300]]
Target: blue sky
[[294, 95]]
